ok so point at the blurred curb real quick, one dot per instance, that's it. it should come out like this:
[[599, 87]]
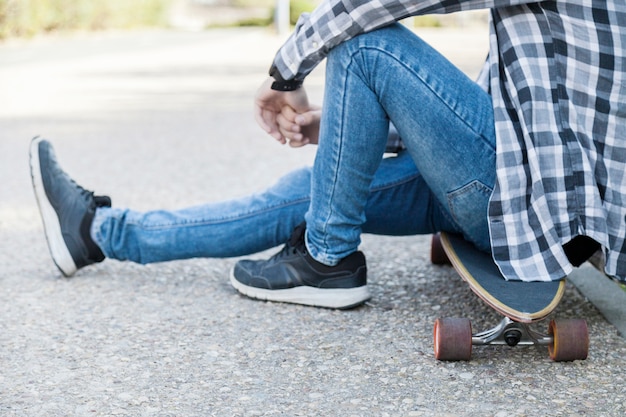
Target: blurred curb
[[603, 293]]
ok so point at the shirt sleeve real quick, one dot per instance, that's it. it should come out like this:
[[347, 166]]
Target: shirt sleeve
[[335, 21]]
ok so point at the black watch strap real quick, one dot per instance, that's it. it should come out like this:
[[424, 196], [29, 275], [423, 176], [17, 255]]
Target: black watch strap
[[288, 85], [281, 84]]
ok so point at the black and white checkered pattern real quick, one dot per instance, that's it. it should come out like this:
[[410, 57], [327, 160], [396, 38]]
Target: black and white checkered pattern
[[557, 74]]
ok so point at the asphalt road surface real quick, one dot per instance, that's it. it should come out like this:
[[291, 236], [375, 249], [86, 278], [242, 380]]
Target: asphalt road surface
[[164, 120]]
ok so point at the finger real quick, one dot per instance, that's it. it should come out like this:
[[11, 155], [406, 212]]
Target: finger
[[307, 118], [289, 130], [286, 126], [303, 119], [267, 120], [291, 135], [283, 122], [298, 143], [263, 119], [288, 112]]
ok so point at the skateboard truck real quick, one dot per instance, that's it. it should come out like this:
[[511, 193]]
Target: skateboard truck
[[511, 333], [567, 339]]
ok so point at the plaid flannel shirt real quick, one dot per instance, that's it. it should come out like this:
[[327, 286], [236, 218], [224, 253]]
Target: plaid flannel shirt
[[556, 72]]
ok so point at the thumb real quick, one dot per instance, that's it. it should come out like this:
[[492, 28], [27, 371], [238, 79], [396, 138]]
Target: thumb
[[305, 119]]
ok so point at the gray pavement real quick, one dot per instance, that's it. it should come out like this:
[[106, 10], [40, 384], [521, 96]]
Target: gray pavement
[[164, 120]]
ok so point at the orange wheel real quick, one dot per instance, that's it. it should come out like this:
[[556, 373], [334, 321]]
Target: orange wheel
[[437, 254], [453, 339], [570, 340]]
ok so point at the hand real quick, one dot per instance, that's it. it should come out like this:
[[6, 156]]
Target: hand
[[300, 129], [269, 104]]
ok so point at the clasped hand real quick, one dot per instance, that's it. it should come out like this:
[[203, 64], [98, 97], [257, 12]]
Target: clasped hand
[[287, 116]]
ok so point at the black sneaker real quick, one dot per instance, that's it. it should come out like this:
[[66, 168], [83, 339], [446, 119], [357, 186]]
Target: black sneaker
[[293, 276], [67, 210]]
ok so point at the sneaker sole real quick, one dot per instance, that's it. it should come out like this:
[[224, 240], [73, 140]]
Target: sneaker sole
[[338, 298], [52, 228]]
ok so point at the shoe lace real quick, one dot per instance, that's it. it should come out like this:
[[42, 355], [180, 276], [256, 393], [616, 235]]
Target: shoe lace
[[294, 244], [99, 200], [87, 195]]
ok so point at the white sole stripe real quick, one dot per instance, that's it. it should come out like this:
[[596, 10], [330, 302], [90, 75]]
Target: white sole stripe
[[328, 297], [52, 227]]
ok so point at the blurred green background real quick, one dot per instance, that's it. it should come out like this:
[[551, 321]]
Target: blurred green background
[[27, 18]]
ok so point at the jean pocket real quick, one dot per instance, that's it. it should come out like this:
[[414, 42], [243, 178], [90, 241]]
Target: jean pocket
[[468, 207]]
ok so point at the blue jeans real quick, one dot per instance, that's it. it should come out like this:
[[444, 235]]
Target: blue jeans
[[443, 117], [399, 203], [443, 181]]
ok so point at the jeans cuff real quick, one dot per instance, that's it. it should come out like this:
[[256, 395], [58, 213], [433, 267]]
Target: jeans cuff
[[317, 255]]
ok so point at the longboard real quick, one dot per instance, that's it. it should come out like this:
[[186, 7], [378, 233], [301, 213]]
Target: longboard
[[521, 303]]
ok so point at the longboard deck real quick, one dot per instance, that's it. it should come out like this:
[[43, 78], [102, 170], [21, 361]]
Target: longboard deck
[[525, 302]]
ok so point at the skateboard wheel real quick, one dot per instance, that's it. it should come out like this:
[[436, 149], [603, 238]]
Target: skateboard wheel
[[437, 254], [570, 340], [453, 339]]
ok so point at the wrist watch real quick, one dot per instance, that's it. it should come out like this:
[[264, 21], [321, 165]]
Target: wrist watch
[[280, 84]]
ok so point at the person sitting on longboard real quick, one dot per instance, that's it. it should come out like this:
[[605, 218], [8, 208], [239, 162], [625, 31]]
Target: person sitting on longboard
[[526, 163]]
